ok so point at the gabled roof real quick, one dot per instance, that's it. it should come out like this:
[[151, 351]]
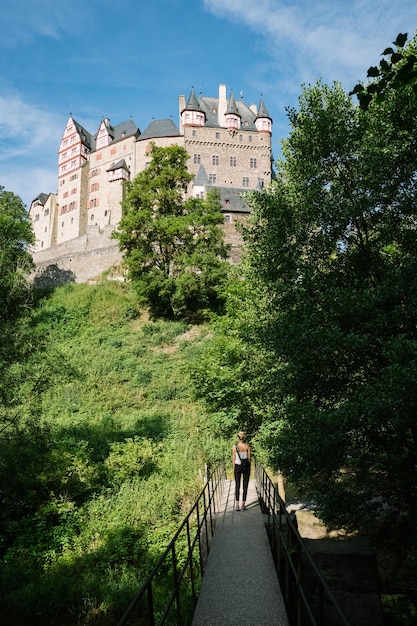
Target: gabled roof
[[118, 166], [125, 129], [160, 128], [86, 137], [42, 198]]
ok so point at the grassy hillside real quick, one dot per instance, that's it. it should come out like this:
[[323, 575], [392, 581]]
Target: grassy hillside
[[108, 456]]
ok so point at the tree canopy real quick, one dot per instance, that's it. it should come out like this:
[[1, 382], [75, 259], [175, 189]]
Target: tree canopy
[[332, 273], [15, 261], [174, 246], [15, 297]]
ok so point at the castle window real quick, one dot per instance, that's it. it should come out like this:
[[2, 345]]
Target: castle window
[[250, 138], [215, 159], [240, 137], [92, 217], [253, 163], [227, 218], [46, 229], [197, 159], [232, 161], [245, 181], [37, 217], [212, 179], [194, 133], [62, 225], [46, 212], [217, 135]]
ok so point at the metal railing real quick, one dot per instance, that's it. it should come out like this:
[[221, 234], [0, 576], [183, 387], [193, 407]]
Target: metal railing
[[307, 596], [169, 595]]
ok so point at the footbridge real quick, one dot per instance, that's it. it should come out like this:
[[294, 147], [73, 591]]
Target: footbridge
[[226, 567]]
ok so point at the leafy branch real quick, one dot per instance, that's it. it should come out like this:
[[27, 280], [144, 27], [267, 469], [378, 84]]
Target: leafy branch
[[395, 71]]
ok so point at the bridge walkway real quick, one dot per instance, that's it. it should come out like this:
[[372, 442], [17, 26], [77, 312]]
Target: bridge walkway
[[240, 585]]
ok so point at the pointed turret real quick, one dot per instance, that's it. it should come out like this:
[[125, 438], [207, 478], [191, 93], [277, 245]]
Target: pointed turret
[[232, 116], [193, 114], [263, 121]]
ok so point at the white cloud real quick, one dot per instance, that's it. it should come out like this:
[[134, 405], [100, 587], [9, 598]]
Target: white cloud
[[25, 128], [28, 182], [25, 20], [333, 40], [28, 135]]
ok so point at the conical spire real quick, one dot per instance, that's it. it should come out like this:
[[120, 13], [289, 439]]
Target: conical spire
[[262, 110], [192, 104], [263, 121], [232, 106], [193, 114]]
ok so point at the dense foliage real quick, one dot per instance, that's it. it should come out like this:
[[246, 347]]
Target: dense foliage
[[15, 300], [174, 248], [332, 279], [105, 461]]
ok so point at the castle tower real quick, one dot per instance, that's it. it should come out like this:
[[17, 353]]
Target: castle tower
[[232, 116], [73, 155], [193, 114], [263, 121]]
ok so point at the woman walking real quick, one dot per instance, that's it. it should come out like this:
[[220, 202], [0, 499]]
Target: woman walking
[[241, 469]]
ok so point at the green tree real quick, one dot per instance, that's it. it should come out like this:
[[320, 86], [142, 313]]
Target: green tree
[[15, 261], [15, 296], [332, 252], [174, 247]]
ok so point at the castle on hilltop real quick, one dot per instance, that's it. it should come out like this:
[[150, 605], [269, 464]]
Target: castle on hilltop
[[229, 144]]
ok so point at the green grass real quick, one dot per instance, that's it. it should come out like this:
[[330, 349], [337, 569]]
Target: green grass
[[104, 464]]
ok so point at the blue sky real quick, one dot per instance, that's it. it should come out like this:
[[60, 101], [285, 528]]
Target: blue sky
[[100, 58]]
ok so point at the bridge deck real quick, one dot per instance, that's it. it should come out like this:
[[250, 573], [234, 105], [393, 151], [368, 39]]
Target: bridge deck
[[240, 585]]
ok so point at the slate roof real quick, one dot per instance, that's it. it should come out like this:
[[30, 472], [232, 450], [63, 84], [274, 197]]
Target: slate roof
[[193, 104], [201, 178], [210, 107], [231, 199], [125, 129], [160, 128], [232, 107], [42, 198], [262, 110], [86, 137], [118, 166]]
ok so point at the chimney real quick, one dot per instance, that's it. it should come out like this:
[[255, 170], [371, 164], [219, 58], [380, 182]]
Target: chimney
[[181, 105], [222, 105]]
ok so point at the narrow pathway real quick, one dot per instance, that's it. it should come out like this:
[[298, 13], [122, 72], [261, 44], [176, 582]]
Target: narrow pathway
[[240, 585]]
